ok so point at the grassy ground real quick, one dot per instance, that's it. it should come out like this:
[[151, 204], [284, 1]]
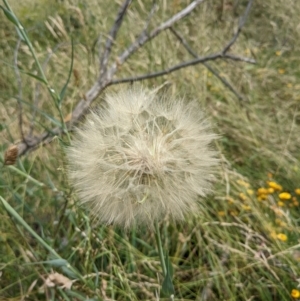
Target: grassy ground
[[245, 244]]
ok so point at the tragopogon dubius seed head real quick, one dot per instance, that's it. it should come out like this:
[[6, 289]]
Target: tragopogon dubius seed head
[[142, 156]]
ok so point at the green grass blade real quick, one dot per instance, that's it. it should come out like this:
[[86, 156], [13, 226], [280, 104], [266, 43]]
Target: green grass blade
[[21, 221], [63, 90]]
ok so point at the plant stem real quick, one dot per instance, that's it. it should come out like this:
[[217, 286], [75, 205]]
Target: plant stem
[[160, 249]]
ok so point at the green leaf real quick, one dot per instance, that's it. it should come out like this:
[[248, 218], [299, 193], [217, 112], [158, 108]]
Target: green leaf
[[54, 262], [167, 285], [69, 272], [169, 266], [10, 16], [52, 119], [34, 76]]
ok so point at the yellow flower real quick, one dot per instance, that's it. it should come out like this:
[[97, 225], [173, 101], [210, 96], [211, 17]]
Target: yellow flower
[[296, 203], [221, 213], [297, 191], [281, 71], [278, 53], [271, 190], [274, 185], [285, 196], [280, 204], [289, 85], [262, 191], [295, 293], [281, 237]]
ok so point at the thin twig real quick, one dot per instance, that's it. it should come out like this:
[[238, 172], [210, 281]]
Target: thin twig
[[240, 58], [193, 62], [152, 11], [112, 37], [210, 68], [239, 29]]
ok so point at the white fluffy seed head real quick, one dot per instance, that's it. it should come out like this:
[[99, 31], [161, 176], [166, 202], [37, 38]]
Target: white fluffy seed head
[[142, 156]]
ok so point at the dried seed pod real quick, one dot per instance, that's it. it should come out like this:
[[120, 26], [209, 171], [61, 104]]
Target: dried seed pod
[[11, 155]]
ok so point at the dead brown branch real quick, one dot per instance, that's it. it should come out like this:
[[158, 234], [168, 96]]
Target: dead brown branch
[[108, 70]]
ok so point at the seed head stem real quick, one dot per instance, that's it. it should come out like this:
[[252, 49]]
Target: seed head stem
[[160, 249]]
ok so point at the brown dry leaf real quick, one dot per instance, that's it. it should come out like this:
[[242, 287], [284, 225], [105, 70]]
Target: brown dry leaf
[[103, 288], [76, 77], [68, 117], [31, 287], [56, 279], [296, 255]]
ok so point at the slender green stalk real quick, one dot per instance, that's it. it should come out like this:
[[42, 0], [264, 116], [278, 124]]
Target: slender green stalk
[[28, 177], [57, 98], [160, 249], [23, 33]]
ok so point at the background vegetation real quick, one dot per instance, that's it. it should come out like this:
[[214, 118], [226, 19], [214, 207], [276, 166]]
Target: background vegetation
[[245, 244]]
